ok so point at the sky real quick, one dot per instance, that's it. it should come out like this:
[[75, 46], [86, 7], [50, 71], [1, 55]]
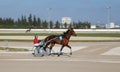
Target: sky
[[94, 11]]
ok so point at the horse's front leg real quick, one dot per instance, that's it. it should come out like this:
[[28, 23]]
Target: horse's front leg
[[61, 50], [70, 49]]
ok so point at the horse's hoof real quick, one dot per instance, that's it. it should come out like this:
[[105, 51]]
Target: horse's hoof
[[33, 53], [70, 53], [58, 55], [42, 55]]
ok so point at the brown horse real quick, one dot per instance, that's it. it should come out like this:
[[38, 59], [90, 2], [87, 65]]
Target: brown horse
[[53, 39], [28, 30]]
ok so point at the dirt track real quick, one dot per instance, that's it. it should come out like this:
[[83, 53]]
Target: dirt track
[[89, 59]]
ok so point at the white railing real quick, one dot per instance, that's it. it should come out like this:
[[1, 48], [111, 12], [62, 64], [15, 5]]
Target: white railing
[[60, 30]]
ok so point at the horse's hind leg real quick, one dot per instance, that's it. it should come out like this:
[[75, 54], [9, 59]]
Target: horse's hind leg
[[52, 45]]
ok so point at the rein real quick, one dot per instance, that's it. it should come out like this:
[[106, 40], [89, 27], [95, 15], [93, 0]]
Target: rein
[[67, 35]]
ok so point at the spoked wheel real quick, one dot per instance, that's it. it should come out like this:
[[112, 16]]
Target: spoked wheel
[[48, 51], [38, 52]]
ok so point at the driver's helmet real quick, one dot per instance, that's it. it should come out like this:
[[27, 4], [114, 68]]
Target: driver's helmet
[[36, 35]]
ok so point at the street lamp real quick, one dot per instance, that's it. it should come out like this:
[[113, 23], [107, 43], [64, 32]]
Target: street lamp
[[108, 16], [49, 10]]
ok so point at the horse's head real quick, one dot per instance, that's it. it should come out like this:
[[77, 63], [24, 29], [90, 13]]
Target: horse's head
[[71, 31]]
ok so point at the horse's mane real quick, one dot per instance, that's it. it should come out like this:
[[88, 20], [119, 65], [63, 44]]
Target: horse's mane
[[55, 35], [64, 33]]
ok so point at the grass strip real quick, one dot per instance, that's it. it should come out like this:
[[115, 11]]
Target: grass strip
[[99, 34], [14, 49], [24, 34], [15, 40], [78, 34]]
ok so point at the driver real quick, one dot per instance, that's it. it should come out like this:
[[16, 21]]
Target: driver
[[36, 42]]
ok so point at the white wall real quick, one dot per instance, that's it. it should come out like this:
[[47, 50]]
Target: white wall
[[60, 30]]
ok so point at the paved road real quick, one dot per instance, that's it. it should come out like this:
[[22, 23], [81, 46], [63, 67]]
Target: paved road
[[89, 59]]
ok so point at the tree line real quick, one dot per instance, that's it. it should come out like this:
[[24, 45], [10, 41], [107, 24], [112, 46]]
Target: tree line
[[35, 22]]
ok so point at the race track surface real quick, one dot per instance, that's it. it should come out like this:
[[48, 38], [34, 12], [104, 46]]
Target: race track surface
[[87, 57]]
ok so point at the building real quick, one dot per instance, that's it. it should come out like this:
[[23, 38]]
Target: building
[[66, 21], [93, 27], [112, 25]]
